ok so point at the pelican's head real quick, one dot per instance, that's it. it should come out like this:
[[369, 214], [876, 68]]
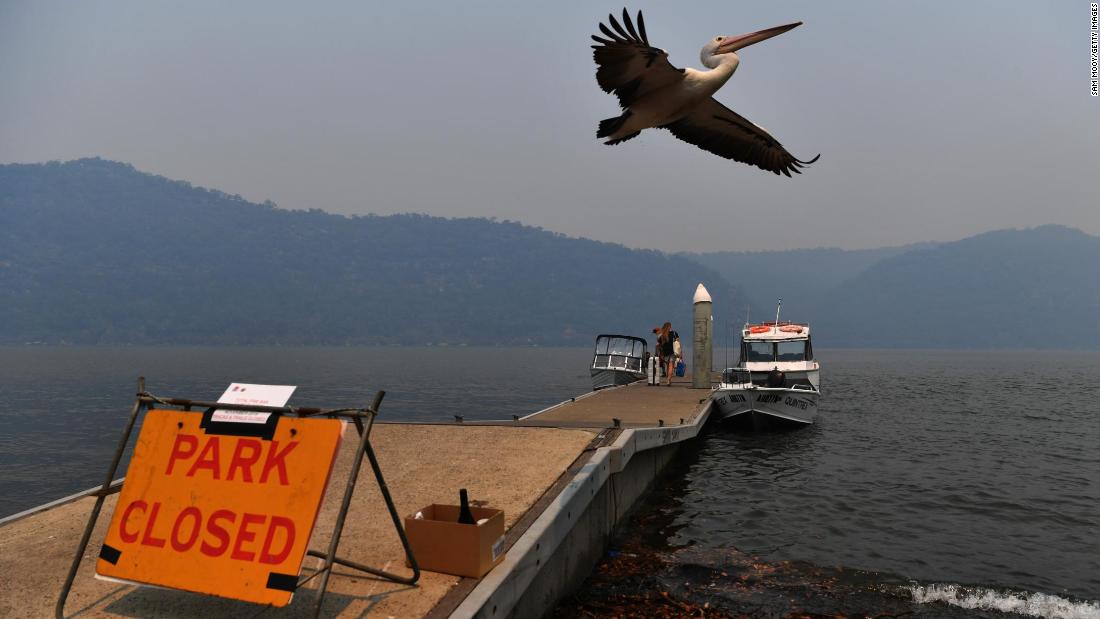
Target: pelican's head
[[723, 45]]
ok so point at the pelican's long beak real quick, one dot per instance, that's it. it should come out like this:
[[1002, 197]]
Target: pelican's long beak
[[731, 44]]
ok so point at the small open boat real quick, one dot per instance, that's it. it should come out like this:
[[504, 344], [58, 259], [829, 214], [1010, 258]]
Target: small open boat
[[619, 360]]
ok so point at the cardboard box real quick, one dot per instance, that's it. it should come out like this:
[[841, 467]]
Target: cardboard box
[[441, 544]]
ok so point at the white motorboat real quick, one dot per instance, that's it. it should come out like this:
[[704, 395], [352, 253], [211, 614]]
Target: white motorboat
[[776, 379], [618, 360]]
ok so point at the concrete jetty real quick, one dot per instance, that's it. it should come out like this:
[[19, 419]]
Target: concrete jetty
[[564, 477]]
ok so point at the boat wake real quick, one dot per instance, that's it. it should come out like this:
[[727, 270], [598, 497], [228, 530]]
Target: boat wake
[[1020, 602]]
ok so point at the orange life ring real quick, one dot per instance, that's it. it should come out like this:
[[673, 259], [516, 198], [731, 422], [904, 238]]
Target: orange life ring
[[791, 329], [759, 329]]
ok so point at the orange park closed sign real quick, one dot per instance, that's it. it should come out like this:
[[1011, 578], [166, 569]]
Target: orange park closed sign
[[219, 508]]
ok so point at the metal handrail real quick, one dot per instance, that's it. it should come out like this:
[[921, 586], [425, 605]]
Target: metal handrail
[[298, 411]]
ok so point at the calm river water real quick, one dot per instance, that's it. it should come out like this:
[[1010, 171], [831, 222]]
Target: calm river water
[[934, 482]]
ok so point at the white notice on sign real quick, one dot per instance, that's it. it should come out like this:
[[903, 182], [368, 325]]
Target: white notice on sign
[[255, 395]]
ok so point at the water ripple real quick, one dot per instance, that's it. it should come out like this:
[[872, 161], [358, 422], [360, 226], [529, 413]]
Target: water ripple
[[936, 466]]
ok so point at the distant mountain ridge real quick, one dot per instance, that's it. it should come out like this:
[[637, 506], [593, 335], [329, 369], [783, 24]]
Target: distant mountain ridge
[[1033, 288], [96, 252], [798, 276]]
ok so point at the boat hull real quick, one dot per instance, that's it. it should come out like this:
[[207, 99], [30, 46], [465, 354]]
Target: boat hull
[[751, 404], [602, 378]]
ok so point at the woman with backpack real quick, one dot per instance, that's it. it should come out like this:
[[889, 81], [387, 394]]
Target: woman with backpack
[[667, 340]]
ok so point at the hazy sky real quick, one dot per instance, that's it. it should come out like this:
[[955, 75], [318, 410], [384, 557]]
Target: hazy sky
[[935, 121]]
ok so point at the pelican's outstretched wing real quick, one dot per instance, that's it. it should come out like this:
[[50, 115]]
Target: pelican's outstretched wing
[[628, 65], [715, 128]]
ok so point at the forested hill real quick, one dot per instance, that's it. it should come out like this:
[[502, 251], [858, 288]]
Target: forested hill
[[1035, 288], [801, 277], [95, 252]]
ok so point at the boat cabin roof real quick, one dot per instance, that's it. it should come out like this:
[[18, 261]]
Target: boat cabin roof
[[619, 352], [625, 337], [629, 345], [770, 331]]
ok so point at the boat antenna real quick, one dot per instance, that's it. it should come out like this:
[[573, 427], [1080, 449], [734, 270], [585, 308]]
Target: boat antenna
[[777, 313]]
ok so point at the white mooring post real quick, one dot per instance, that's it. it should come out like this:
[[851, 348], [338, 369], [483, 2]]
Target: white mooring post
[[701, 342]]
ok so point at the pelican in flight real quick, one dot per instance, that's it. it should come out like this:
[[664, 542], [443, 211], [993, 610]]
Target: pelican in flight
[[653, 93]]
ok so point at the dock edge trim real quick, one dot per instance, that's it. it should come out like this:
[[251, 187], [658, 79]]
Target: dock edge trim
[[503, 587]]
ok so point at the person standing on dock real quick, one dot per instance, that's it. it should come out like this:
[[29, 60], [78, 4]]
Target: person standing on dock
[[657, 353], [665, 339]]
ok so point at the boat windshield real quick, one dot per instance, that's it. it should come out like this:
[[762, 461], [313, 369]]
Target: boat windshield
[[736, 375], [619, 353], [790, 351], [769, 352], [758, 351]]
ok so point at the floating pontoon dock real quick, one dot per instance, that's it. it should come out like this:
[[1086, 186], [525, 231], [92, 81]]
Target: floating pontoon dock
[[564, 477]]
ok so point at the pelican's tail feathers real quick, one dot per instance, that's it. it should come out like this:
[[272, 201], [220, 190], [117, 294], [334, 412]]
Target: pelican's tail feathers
[[622, 139], [609, 126]]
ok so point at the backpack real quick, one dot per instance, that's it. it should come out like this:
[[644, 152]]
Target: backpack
[[676, 350]]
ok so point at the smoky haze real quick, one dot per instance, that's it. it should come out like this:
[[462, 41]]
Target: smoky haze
[[935, 121]]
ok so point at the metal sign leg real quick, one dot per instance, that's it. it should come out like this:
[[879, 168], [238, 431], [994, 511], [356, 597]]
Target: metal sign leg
[[104, 492], [330, 557]]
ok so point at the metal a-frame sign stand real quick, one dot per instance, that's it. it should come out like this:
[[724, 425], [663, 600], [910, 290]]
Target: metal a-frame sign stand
[[363, 418]]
